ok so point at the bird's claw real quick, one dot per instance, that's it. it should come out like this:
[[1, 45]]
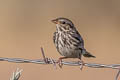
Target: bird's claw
[[46, 60], [81, 64], [60, 64]]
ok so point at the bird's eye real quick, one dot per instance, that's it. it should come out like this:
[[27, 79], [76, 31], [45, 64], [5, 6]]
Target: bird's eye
[[63, 22]]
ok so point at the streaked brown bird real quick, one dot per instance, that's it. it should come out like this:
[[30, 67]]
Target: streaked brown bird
[[68, 41]]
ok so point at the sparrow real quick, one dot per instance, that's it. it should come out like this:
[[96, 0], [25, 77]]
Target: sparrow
[[68, 41]]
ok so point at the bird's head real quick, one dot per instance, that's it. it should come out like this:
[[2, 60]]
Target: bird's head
[[63, 23]]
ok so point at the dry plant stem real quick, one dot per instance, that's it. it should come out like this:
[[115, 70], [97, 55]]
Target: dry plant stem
[[16, 75], [117, 74]]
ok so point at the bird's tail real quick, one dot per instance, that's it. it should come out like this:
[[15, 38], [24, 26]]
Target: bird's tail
[[87, 54]]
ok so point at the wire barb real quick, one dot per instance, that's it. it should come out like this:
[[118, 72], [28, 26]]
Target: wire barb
[[54, 63], [45, 59]]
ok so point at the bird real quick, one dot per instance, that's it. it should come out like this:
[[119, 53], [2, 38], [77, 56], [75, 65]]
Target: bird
[[68, 41]]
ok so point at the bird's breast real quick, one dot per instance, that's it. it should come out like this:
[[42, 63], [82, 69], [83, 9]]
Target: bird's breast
[[64, 46]]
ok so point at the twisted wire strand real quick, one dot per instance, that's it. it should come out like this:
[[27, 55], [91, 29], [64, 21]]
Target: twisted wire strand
[[50, 61]]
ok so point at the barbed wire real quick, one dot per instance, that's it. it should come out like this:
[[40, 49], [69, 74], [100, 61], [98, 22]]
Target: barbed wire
[[69, 63], [51, 61]]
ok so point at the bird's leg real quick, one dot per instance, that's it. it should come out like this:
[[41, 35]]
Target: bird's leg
[[82, 62], [60, 61]]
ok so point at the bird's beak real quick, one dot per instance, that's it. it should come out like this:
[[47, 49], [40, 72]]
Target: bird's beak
[[55, 21]]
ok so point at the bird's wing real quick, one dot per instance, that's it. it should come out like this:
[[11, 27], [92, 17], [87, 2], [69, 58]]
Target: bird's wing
[[79, 42], [54, 36]]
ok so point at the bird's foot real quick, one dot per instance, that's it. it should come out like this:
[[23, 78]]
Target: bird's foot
[[81, 64], [60, 64], [46, 60]]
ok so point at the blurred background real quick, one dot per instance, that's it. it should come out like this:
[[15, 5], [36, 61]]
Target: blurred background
[[25, 26]]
